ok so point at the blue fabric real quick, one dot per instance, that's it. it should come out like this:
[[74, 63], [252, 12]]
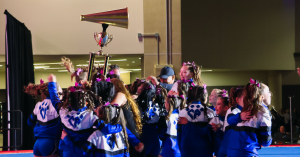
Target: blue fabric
[[53, 94], [232, 121], [107, 155], [170, 148], [69, 148], [243, 144], [44, 147], [52, 130], [167, 86], [31, 121], [194, 139], [133, 140], [150, 140]]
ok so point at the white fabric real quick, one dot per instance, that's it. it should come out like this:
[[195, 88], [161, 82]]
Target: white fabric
[[45, 111], [76, 120], [195, 113], [101, 141]]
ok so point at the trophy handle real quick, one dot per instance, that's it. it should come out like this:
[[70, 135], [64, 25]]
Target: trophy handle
[[110, 38], [95, 37]]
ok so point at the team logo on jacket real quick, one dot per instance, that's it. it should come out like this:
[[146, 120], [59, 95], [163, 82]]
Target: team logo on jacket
[[110, 141], [75, 121], [194, 111], [43, 109]]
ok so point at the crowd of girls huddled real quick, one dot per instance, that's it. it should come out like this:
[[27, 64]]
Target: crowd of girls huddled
[[105, 118]]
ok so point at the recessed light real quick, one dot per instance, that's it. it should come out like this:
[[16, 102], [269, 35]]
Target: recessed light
[[140, 58], [62, 70]]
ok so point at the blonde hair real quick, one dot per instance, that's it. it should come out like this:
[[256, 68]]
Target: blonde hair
[[119, 87]]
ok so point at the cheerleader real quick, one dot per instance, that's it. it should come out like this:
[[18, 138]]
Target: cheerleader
[[217, 123], [48, 128], [214, 96], [79, 120], [247, 137], [194, 135], [170, 145], [151, 101], [100, 144], [189, 72], [132, 117]]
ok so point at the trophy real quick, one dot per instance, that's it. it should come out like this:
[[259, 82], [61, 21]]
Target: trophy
[[118, 18], [103, 38]]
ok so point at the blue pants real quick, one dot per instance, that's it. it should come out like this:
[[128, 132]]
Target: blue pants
[[45, 147], [150, 140]]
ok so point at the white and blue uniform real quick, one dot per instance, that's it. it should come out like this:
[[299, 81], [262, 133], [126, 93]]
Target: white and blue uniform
[[170, 144], [247, 137], [101, 145], [231, 119], [217, 136], [152, 128], [47, 130], [194, 137], [79, 125]]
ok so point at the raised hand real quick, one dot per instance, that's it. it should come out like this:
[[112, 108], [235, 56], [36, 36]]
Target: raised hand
[[246, 115]]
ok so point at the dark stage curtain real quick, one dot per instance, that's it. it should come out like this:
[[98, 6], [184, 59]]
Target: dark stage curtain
[[20, 70]]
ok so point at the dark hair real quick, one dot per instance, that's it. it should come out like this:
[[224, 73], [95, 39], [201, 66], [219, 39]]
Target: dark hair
[[148, 94], [114, 115], [253, 98], [78, 99], [235, 93], [135, 86], [37, 90], [174, 103], [225, 101], [197, 93], [112, 67], [183, 89], [104, 89]]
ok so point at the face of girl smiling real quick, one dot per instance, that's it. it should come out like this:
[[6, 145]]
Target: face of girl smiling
[[185, 73]]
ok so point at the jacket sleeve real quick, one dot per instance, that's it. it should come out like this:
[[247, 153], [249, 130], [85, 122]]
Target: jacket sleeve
[[31, 121], [53, 94], [107, 128], [234, 119], [265, 130], [133, 140]]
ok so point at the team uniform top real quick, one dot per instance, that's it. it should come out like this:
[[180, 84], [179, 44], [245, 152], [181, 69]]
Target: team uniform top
[[46, 115], [248, 136], [101, 145], [194, 137], [232, 118], [217, 136], [170, 145]]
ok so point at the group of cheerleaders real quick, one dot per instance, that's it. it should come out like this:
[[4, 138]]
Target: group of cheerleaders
[[105, 119]]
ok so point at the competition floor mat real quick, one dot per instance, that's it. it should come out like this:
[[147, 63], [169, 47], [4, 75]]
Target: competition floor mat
[[272, 151]]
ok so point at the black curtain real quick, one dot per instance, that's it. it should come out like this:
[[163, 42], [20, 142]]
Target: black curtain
[[19, 61]]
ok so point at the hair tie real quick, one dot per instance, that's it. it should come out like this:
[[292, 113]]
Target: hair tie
[[252, 81], [72, 89], [101, 71], [157, 91], [171, 96], [204, 86], [181, 96], [188, 63], [191, 87], [108, 103], [79, 70], [41, 81], [111, 73], [224, 93], [149, 87], [98, 79], [76, 84], [137, 78], [108, 79]]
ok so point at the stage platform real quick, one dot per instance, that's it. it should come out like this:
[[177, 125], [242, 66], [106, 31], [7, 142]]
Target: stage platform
[[272, 151]]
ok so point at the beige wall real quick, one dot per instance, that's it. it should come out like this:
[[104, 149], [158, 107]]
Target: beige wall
[[57, 29], [125, 78], [155, 22], [239, 34]]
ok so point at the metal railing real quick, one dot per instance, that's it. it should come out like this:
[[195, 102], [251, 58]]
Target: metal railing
[[15, 130]]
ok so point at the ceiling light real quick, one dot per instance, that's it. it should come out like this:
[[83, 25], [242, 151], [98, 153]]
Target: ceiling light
[[1, 65], [132, 69], [62, 70], [206, 70], [118, 60], [80, 65], [45, 63], [53, 68], [140, 58], [125, 71], [41, 67]]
